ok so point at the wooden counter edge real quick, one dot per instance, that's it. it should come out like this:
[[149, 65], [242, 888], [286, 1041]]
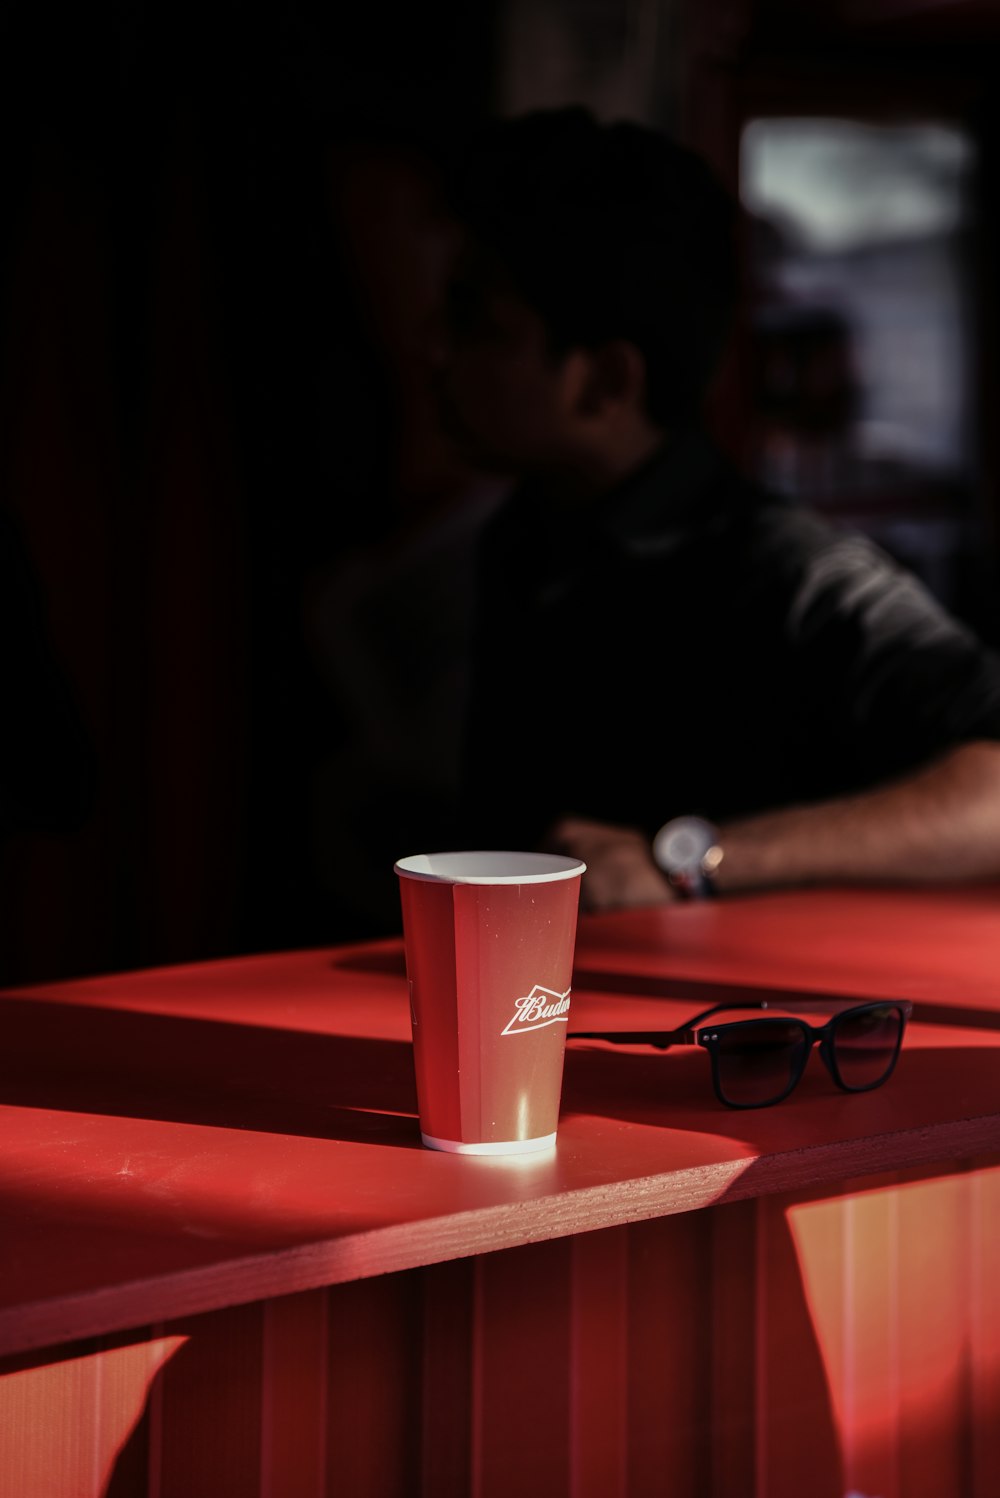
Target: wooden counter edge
[[137, 1304]]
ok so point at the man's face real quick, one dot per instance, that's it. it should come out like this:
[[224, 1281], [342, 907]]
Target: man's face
[[504, 398]]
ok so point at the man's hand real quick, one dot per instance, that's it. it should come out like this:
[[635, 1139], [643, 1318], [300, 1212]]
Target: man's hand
[[620, 867], [938, 823]]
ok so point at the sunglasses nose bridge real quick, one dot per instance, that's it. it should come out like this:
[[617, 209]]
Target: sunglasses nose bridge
[[826, 1052]]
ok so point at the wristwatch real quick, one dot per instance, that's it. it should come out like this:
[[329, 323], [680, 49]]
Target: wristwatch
[[689, 851]]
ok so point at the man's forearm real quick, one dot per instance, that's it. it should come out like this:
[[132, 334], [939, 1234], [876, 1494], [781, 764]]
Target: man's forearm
[[941, 822]]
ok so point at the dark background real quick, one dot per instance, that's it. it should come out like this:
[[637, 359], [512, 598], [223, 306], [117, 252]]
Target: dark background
[[210, 387]]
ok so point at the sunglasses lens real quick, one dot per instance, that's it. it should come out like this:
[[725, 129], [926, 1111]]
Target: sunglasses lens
[[865, 1045], [758, 1063]]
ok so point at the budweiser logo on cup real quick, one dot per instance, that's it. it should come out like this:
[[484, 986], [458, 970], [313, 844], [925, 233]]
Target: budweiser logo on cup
[[480, 930], [536, 1009]]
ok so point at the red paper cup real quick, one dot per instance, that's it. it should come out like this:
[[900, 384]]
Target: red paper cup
[[490, 939]]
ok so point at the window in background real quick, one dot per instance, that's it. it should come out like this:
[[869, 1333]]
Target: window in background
[[862, 353]]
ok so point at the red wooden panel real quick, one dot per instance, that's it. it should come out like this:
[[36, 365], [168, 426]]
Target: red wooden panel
[[899, 1279], [669, 1277], [874, 1281], [983, 1292], [798, 1435], [728, 1289], [447, 1394], [597, 1368], [141, 569], [294, 1396], [932, 1266], [206, 1412], [61, 475], [521, 1421], [69, 1420], [846, 1341], [374, 1394]]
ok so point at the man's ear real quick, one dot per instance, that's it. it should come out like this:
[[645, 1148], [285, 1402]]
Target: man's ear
[[615, 377]]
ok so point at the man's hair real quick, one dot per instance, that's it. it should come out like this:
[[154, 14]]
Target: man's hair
[[609, 230]]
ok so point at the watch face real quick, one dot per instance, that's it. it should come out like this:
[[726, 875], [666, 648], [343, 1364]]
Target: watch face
[[680, 846]]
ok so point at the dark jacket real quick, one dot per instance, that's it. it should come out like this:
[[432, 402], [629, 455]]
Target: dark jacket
[[694, 643]]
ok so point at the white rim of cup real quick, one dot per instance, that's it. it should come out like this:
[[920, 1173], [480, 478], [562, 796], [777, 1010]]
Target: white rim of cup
[[489, 866]]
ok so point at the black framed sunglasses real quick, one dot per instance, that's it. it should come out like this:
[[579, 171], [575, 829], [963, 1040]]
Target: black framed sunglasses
[[757, 1062]]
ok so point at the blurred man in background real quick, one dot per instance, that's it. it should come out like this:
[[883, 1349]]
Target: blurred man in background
[[691, 683]]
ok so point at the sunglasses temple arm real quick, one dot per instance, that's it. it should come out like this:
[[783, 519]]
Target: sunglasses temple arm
[[662, 1039]]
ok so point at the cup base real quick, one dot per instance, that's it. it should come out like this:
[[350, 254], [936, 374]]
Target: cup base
[[492, 1146]]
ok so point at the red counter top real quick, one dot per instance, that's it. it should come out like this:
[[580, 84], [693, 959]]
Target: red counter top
[[940, 947], [184, 1139]]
